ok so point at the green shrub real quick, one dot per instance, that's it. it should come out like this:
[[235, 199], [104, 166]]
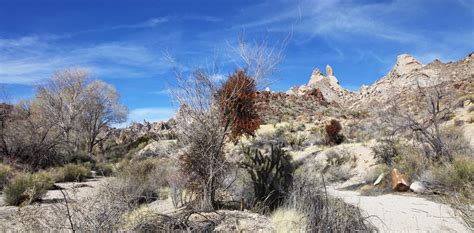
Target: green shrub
[[337, 158], [5, 175], [104, 169], [72, 173], [456, 175], [411, 161], [295, 140], [27, 188], [386, 150], [148, 176]]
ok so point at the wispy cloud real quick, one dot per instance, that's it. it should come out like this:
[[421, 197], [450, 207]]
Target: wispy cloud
[[336, 19], [27, 61], [151, 114]]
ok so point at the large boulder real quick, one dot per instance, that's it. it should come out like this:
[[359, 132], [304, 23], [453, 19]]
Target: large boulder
[[399, 181]]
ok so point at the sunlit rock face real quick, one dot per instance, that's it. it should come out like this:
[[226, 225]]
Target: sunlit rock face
[[327, 84]]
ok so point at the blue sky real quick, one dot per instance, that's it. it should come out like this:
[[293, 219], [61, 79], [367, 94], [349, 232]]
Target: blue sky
[[123, 42]]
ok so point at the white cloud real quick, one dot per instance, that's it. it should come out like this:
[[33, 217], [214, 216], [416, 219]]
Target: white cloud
[[336, 19], [151, 114], [28, 61]]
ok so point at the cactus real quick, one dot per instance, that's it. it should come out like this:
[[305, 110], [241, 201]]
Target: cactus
[[271, 174]]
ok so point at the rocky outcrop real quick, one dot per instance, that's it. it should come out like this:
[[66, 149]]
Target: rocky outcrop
[[279, 106], [135, 131], [406, 76], [328, 86], [405, 65]]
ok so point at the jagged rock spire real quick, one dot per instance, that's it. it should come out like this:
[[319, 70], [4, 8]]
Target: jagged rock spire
[[328, 70], [406, 64]]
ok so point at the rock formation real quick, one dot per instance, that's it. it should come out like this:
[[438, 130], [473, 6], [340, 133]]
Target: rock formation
[[135, 131], [328, 85], [328, 70], [406, 75]]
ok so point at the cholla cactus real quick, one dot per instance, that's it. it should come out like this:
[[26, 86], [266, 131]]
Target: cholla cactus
[[271, 174]]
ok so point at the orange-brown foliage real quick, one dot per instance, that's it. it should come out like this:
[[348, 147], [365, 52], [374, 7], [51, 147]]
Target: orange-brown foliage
[[236, 100], [332, 132]]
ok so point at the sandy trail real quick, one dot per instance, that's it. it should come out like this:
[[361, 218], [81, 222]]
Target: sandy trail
[[403, 213]]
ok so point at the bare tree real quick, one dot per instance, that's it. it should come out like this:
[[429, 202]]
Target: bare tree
[[259, 59], [423, 118], [31, 137], [62, 101], [64, 118], [80, 107], [102, 108], [199, 129]]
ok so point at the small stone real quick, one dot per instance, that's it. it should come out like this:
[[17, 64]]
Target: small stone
[[417, 187], [379, 179]]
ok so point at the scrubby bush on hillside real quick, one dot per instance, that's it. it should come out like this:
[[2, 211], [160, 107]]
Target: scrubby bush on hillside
[[411, 161], [386, 150], [147, 178], [271, 174], [332, 133], [72, 173], [455, 176], [321, 212], [27, 188], [339, 165], [5, 175], [104, 169], [295, 140]]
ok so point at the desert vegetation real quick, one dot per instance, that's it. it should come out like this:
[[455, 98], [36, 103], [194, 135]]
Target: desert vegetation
[[221, 163]]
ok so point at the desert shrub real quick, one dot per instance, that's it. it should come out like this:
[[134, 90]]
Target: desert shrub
[[102, 211], [342, 173], [322, 212], [340, 165], [79, 157], [295, 140], [27, 188], [236, 100], [456, 175], [5, 175], [104, 169], [72, 173], [271, 174], [146, 177], [332, 133], [455, 141], [386, 150], [337, 158], [288, 220], [411, 161]]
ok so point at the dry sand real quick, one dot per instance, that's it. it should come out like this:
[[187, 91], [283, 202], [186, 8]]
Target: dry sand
[[403, 213]]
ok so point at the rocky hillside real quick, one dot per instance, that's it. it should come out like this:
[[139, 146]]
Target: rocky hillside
[[407, 75], [135, 131], [278, 106], [312, 101]]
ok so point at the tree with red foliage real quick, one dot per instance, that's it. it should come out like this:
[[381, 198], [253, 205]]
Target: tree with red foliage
[[332, 133], [236, 101]]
